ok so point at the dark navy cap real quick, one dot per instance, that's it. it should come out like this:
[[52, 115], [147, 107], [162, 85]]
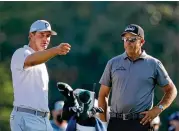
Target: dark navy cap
[[134, 29]]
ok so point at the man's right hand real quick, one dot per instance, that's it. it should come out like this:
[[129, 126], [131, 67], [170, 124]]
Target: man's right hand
[[63, 48]]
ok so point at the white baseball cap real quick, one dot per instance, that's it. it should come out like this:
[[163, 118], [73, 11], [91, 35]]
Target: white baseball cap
[[41, 25], [59, 105], [156, 120]]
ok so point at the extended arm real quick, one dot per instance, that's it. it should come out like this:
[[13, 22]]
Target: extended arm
[[43, 56]]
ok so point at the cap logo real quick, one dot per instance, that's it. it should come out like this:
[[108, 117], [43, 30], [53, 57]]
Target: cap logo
[[46, 25], [130, 28]]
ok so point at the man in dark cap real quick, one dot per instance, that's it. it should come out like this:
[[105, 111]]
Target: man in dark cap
[[173, 124], [131, 77]]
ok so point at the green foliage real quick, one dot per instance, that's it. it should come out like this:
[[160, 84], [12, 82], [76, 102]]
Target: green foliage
[[93, 29], [6, 98]]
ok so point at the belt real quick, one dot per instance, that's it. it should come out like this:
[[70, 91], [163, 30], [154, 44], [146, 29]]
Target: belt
[[131, 116], [31, 111]]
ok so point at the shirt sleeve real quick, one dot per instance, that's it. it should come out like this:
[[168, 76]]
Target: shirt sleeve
[[18, 59], [162, 76], [106, 76]]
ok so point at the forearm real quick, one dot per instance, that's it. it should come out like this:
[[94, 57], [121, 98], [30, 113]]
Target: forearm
[[40, 57], [170, 94], [102, 102]]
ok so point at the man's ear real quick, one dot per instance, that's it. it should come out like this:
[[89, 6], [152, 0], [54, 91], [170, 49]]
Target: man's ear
[[142, 41], [30, 35]]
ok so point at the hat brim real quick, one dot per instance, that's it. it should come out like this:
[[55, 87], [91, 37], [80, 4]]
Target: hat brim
[[128, 32], [52, 32]]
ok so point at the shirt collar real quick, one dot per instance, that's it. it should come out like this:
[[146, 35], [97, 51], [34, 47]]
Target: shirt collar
[[29, 48], [142, 56]]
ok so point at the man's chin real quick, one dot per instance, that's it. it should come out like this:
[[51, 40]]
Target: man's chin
[[42, 48], [130, 51]]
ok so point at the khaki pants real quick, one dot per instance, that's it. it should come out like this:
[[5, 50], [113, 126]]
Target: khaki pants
[[21, 121]]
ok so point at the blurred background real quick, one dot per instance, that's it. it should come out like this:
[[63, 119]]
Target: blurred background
[[93, 29]]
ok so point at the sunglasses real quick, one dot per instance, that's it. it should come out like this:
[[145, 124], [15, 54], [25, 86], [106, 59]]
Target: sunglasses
[[131, 39]]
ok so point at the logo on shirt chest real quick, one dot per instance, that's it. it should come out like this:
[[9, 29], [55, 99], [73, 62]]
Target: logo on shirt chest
[[121, 68]]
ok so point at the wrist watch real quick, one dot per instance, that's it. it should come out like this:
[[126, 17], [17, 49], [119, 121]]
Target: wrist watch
[[161, 107]]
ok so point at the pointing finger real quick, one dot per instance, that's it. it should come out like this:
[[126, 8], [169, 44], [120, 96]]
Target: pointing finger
[[66, 44]]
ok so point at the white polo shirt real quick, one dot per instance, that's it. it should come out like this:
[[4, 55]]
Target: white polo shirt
[[30, 84]]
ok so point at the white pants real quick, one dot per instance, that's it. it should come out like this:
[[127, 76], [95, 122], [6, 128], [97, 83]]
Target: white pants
[[21, 121]]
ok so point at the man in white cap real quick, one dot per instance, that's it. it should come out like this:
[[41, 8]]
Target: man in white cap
[[155, 123], [30, 79], [58, 124]]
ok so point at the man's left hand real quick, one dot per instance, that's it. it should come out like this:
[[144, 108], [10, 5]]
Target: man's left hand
[[150, 115]]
